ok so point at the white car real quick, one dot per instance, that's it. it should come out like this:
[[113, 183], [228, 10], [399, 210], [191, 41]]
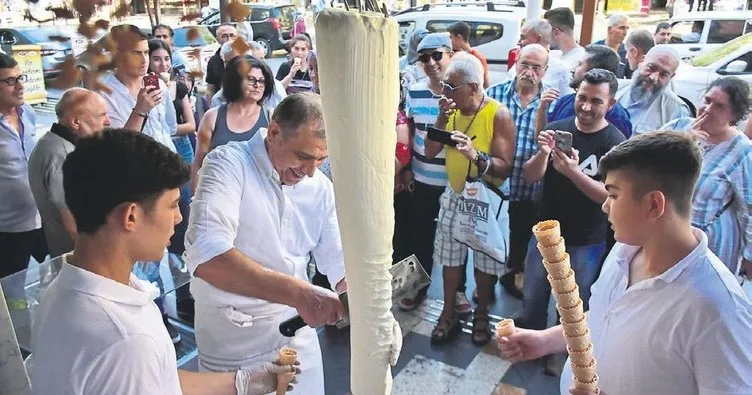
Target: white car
[[696, 33], [731, 59], [494, 27]]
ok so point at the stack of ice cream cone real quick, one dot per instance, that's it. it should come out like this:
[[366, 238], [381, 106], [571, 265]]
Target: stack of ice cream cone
[[568, 303], [287, 356]]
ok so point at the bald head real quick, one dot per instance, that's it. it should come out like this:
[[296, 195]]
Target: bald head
[[665, 55], [82, 111], [531, 67], [534, 50]]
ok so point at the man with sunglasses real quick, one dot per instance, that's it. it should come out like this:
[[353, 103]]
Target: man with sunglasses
[[21, 233]]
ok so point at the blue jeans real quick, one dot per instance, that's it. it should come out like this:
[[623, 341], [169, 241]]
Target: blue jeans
[[185, 148], [585, 260]]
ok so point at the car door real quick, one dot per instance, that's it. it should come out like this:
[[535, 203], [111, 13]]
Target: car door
[[746, 74]]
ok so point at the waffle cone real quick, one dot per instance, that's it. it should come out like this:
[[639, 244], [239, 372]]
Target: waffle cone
[[584, 373], [579, 343], [505, 327], [553, 253], [563, 285], [558, 269], [581, 358], [574, 328], [287, 356], [589, 385], [569, 299], [571, 314], [547, 233]]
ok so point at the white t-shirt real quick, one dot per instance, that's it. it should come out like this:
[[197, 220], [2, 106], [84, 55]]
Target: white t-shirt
[[94, 336], [572, 58], [684, 332]]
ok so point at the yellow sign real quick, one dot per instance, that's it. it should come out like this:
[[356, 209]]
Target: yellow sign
[[29, 58], [629, 6]]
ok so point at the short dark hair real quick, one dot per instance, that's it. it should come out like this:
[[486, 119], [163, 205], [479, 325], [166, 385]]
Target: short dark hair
[[7, 61], [665, 161], [127, 34], [602, 57], [600, 76], [561, 18], [461, 29], [738, 93], [662, 25], [299, 109], [236, 71], [118, 166], [162, 26], [642, 40], [302, 37]]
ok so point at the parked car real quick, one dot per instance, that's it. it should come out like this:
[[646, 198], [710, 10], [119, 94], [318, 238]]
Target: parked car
[[731, 59], [53, 52], [205, 41], [494, 27], [699, 32], [272, 24]]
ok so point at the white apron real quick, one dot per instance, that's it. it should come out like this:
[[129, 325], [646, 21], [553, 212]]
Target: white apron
[[245, 340]]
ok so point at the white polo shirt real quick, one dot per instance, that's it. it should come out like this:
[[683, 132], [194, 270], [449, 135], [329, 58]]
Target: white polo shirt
[[94, 336], [687, 331]]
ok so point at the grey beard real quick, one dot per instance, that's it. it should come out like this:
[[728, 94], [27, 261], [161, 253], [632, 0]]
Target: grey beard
[[639, 93]]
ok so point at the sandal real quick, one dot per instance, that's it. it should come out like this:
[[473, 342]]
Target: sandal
[[446, 330], [481, 333]]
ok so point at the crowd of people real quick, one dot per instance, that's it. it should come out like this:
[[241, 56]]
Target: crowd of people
[[653, 202]]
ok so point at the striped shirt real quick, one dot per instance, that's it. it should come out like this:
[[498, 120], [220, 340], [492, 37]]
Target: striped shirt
[[722, 203], [422, 106], [525, 146]]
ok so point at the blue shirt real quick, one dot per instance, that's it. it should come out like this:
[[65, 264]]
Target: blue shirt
[[422, 106], [617, 115], [525, 145], [18, 211]]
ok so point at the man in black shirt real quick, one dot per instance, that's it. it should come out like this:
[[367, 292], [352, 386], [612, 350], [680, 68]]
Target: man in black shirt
[[215, 69], [572, 192]]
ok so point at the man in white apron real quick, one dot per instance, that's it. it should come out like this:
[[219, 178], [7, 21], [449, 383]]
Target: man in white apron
[[261, 209]]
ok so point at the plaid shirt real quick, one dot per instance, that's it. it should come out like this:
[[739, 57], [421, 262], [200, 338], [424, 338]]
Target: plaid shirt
[[525, 146]]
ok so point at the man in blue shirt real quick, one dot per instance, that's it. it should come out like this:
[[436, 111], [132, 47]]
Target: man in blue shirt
[[597, 56], [165, 33], [20, 225]]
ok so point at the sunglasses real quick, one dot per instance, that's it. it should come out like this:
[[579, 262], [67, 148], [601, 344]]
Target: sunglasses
[[435, 55]]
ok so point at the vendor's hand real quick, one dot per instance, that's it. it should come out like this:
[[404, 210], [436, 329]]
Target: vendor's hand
[[263, 379], [549, 96], [447, 105], [319, 306], [147, 100], [341, 286], [575, 391], [565, 164], [523, 345], [464, 145], [546, 141]]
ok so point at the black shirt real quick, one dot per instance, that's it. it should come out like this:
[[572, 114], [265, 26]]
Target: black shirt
[[582, 220], [181, 91], [215, 70], [284, 70]]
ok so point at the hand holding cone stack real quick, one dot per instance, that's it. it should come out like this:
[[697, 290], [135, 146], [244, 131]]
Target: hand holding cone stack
[[287, 356], [568, 303]]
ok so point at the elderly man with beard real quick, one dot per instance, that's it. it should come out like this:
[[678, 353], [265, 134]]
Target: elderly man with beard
[[649, 103], [597, 57], [522, 96], [573, 192]]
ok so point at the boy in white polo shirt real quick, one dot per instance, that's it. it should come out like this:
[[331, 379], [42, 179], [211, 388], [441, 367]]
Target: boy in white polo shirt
[[666, 316], [97, 330]]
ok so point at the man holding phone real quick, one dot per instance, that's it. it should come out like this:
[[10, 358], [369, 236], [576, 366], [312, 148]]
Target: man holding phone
[[567, 160], [137, 100]]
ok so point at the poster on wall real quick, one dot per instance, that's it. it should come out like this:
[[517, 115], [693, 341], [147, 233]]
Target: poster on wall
[[29, 58]]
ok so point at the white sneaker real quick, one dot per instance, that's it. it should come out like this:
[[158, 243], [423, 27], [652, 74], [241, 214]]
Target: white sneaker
[[461, 304]]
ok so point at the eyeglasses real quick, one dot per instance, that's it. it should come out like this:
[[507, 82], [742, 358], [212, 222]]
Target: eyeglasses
[[254, 82], [435, 55], [447, 88], [534, 67], [227, 36], [13, 81]]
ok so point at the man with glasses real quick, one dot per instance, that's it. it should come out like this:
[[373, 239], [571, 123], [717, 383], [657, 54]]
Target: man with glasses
[[215, 69], [647, 98], [422, 108], [522, 97], [538, 31], [21, 233]]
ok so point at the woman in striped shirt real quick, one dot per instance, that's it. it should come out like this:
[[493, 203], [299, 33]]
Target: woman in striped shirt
[[722, 203]]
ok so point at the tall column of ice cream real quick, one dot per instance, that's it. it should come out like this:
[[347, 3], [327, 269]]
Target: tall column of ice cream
[[568, 303], [358, 68]]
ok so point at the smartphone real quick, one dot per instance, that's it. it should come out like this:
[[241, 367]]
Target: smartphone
[[564, 141], [151, 82], [441, 136]]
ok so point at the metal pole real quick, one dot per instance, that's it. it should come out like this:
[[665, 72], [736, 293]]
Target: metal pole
[[588, 18], [533, 9], [224, 17]]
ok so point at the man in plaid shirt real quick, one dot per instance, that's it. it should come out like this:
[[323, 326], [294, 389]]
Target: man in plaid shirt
[[521, 96]]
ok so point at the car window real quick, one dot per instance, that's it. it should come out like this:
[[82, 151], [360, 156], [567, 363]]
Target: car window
[[722, 32], [286, 15], [260, 14], [7, 38], [406, 28], [747, 58], [204, 37], [686, 32], [480, 32], [211, 20]]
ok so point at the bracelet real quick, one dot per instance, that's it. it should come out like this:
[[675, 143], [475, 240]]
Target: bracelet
[[141, 114], [488, 166]]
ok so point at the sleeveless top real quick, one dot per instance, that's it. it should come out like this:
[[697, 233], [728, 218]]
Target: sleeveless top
[[482, 128], [223, 135]]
